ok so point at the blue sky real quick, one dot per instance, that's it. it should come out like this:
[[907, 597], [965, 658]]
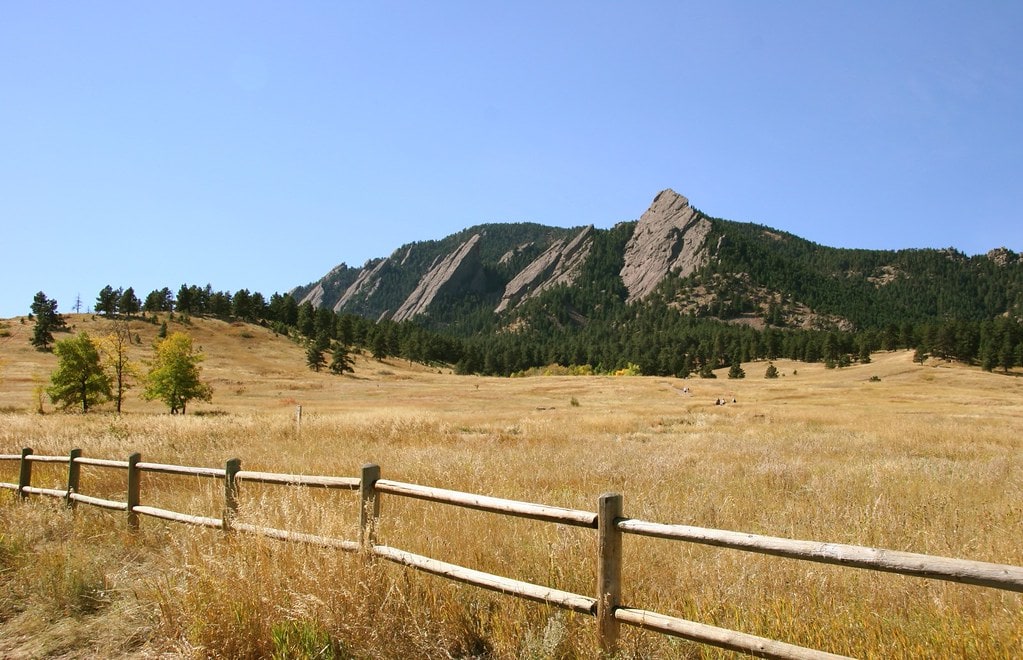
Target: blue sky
[[257, 145]]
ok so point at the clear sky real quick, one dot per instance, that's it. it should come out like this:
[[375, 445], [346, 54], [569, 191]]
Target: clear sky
[[259, 144]]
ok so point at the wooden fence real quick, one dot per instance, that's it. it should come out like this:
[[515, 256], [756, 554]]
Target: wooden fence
[[609, 522]]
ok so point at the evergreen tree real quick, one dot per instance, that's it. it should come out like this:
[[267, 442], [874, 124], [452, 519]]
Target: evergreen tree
[[48, 321], [341, 360], [79, 377], [306, 319], [772, 371], [129, 304], [314, 357], [242, 304], [174, 376], [219, 304], [106, 301], [1006, 354], [380, 345], [184, 302], [736, 371], [158, 300]]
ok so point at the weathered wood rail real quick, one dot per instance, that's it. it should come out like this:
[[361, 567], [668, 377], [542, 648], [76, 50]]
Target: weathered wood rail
[[609, 522]]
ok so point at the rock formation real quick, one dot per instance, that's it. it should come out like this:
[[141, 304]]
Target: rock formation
[[364, 285], [559, 264], [669, 237], [461, 269], [1003, 256], [315, 296]]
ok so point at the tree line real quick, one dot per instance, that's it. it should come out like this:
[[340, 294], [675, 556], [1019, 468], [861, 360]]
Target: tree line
[[652, 338], [321, 330]]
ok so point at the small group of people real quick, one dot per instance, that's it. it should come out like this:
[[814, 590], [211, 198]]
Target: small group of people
[[721, 402]]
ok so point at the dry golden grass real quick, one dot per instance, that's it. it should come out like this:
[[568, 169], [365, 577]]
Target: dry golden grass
[[929, 459]]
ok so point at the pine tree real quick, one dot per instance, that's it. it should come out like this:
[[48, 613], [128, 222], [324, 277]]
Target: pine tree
[[736, 371], [314, 357], [341, 360], [48, 321], [128, 303], [158, 300], [772, 371], [106, 301]]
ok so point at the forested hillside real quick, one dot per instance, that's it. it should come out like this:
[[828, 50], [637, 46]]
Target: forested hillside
[[677, 292]]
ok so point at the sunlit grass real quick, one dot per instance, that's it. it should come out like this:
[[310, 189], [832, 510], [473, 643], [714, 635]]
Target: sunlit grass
[[927, 460]]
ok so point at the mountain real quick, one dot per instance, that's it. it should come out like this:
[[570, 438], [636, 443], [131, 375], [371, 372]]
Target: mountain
[[503, 277]]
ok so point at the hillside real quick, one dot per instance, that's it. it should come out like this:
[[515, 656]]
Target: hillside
[[253, 369], [699, 265], [250, 367], [678, 291]]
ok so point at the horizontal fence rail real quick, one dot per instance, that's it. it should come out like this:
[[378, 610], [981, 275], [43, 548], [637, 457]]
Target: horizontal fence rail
[[491, 504], [609, 522], [341, 483], [999, 576]]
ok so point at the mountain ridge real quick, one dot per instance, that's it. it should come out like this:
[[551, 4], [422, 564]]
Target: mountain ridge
[[685, 259]]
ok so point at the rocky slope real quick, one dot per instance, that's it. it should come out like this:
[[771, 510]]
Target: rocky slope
[[461, 271], [559, 264], [669, 238], [695, 264]]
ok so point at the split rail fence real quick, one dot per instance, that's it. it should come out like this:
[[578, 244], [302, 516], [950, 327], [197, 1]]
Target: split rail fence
[[609, 521]]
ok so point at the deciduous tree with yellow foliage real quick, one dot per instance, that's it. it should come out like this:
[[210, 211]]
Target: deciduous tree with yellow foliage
[[174, 374]]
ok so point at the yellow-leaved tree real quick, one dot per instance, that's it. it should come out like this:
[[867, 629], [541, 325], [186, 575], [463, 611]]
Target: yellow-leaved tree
[[174, 374], [114, 348]]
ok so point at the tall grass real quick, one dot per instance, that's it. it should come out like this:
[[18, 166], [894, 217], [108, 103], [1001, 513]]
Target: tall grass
[[905, 464]]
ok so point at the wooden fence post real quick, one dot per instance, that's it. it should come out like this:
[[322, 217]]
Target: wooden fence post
[[609, 571], [74, 475], [25, 473], [233, 467], [134, 490], [369, 511]]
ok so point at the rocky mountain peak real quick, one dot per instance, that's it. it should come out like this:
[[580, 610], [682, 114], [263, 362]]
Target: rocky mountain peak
[[669, 237]]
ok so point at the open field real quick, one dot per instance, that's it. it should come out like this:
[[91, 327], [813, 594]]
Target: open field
[[926, 459]]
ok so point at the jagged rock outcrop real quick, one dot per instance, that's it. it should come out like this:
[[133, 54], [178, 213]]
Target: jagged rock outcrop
[[511, 254], [559, 264], [669, 237], [461, 269], [1003, 256], [315, 296], [364, 285]]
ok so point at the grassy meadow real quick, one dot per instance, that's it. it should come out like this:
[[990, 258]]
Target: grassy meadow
[[890, 454]]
